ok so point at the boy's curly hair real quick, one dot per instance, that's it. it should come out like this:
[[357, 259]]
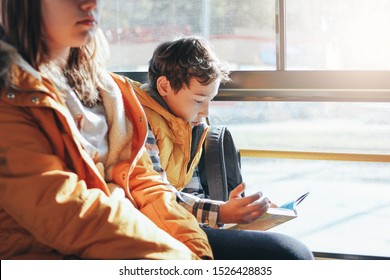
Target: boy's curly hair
[[183, 59]]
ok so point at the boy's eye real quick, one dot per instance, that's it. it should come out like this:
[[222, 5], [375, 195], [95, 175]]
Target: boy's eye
[[199, 101]]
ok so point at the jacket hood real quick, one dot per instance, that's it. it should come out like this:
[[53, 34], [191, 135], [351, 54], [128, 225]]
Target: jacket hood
[[9, 57], [151, 100]]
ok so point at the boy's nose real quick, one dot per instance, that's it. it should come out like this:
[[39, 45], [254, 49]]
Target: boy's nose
[[205, 109]]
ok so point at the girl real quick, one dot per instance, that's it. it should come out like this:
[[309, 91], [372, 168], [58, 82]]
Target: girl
[[75, 179]]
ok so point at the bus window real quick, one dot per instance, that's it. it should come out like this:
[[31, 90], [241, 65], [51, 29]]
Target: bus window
[[345, 168], [337, 35], [242, 32]]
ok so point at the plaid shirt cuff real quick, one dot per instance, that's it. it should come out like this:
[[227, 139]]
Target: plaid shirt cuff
[[206, 211]]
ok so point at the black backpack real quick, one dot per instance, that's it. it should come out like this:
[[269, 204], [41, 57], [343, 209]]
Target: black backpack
[[220, 164]]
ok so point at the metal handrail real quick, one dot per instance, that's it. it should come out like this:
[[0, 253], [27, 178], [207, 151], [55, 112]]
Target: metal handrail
[[315, 155]]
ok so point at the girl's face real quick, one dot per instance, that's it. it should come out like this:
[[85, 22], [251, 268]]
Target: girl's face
[[190, 103], [69, 23]]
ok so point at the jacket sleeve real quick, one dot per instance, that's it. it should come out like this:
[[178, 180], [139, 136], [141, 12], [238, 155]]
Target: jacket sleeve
[[192, 197], [157, 201], [52, 204]]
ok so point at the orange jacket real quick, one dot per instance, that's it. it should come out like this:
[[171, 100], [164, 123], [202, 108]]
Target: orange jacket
[[54, 202]]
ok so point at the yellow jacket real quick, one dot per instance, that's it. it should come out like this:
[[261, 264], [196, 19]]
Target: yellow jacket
[[174, 140], [53, 201]]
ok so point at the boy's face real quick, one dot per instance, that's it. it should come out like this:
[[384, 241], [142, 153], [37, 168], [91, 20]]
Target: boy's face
[[190, 103]]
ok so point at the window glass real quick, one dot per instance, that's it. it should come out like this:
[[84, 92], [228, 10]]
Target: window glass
[[348, 208], [320, 35], [242, 32], [337, 35], [339, 127]]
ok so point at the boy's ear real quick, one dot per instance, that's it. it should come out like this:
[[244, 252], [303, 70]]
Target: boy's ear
[[163, 86]]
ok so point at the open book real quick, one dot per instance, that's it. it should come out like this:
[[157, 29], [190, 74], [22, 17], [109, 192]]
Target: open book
[[273, 216]]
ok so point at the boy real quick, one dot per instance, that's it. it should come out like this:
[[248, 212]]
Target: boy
[[184, 77]]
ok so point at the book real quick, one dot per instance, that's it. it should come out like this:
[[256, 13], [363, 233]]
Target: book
[[273, 217]]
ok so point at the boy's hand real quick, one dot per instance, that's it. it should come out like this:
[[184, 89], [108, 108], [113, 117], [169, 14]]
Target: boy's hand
[[242, 210]]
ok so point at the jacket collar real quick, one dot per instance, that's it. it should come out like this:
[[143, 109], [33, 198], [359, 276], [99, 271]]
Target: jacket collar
[[156, 96], [15, 71], [152, 100], [149, 98]]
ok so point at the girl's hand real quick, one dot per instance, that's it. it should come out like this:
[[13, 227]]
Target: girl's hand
[[242, 210]]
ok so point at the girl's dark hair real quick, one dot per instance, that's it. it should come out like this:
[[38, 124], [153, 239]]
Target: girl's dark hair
[[183, 59], [21, 24]]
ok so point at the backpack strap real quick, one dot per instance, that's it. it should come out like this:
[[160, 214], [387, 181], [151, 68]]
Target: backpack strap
[[220, 166]]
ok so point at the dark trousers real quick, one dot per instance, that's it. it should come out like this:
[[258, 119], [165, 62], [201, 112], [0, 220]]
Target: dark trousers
[[255, 245]]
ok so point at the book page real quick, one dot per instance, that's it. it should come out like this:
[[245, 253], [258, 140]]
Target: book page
[[270, 219]]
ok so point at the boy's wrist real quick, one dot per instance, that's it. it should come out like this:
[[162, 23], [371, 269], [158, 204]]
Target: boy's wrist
[[220, 220]]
